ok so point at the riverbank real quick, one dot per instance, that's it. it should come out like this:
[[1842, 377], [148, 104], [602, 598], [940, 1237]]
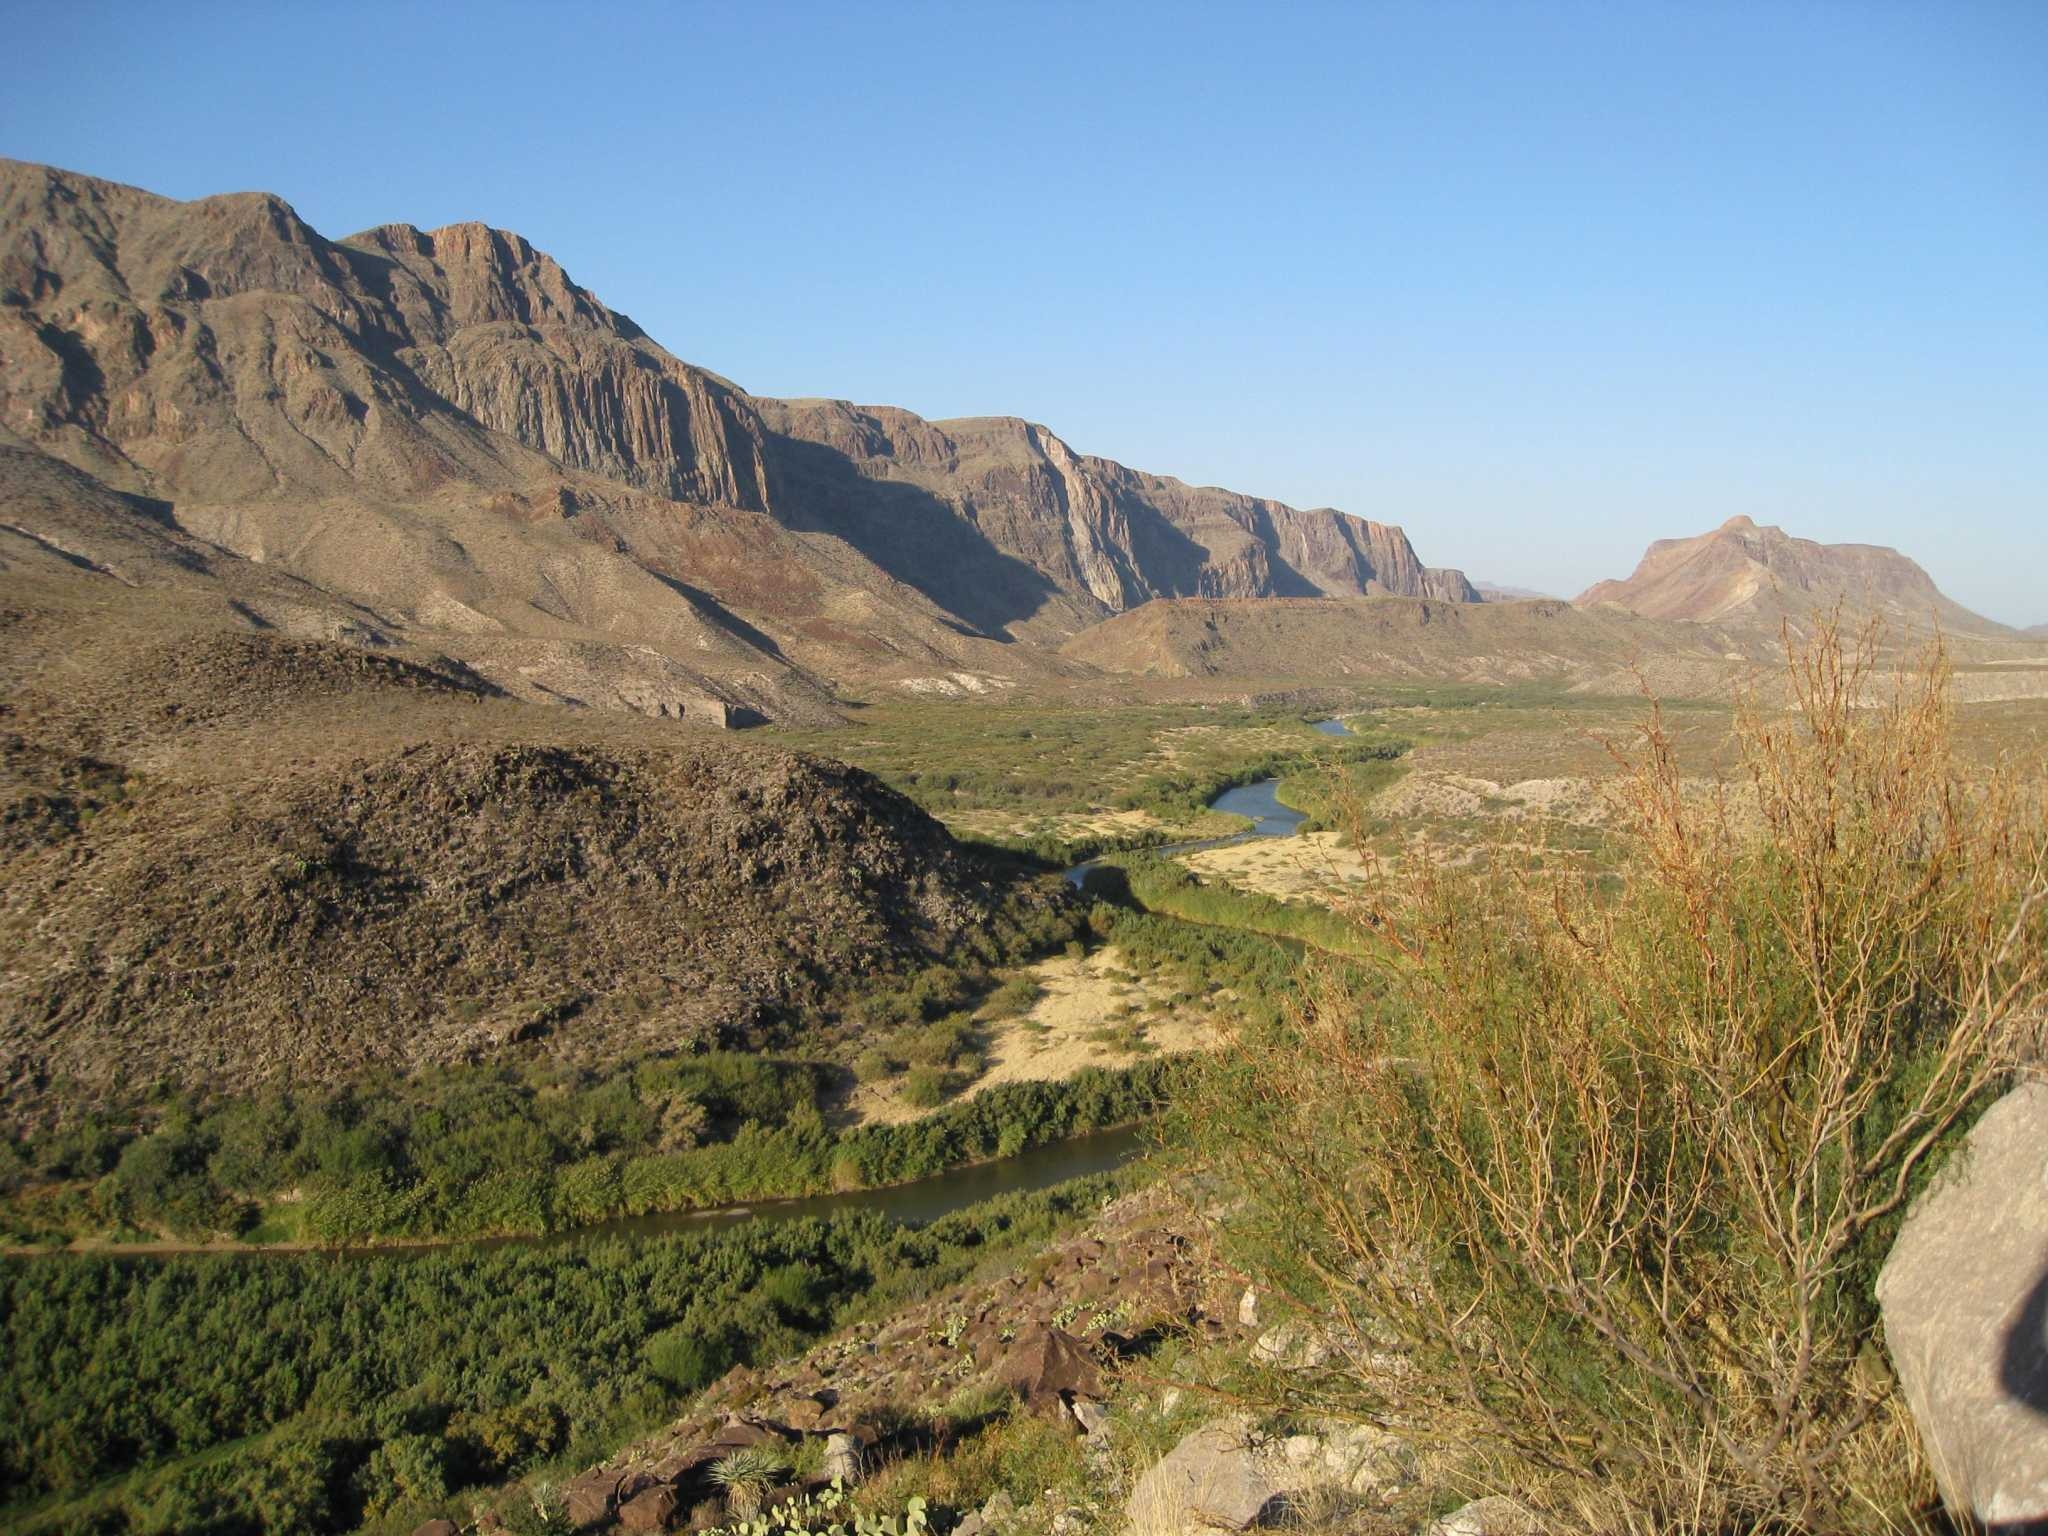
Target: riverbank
[[309, 1395], [794, 1158]]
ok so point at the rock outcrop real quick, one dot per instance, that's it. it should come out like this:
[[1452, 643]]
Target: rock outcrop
[[1746, 574], [1096, 529], [1965, 1299]]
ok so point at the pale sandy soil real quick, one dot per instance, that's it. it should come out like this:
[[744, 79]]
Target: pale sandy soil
[[1582, 801], [1308, 866], [1050, 1043], [1073, 826]]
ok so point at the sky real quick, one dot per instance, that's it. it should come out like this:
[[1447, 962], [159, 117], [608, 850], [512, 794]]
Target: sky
[[1539, 282]]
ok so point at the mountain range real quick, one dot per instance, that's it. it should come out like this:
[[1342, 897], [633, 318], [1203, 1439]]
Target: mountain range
[[441, 430], [435, 442]]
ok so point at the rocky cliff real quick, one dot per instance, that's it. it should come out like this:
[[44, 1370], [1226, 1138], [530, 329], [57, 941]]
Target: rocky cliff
[[1118, 536], [441, 426]]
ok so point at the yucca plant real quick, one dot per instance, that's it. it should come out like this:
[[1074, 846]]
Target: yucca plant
[[748, 1476]]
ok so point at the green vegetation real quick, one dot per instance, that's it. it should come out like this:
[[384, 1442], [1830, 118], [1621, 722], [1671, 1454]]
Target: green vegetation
[[830, 1511], [312, 1394], [1161, 885], [491, 1150], [1611, 1164], [1036, 756], [1258, 972], [1027, 777]]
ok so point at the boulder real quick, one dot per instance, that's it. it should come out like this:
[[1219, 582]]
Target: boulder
[[590, 1499], [805, 1413], [1047, 1365], [651, 1509], [438, 1528], [1248, 1308], [1215, 1479], [1494, 1515], [1292, 1347], [1964, 1293], [1090, 1415], [1357, 1457], [842, 1458]]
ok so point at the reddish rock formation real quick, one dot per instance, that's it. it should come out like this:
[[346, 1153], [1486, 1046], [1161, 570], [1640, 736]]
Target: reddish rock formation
[[1742, 573]]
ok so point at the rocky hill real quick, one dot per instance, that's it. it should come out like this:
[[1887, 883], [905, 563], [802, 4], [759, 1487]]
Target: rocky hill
[[249, 833], [440, 428], [1391, 638], [1747, 576]]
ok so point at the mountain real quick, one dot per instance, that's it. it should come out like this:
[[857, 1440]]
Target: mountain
[[1111, 537], [1494, 592], [1743, 575], [440, 428], [1387, 638]]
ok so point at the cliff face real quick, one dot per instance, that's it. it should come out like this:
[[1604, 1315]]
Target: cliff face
[[442, 425], [1115, 535], [222, 348], [1742, 573]]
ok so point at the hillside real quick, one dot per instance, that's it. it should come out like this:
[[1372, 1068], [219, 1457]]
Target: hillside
[[1745, 576], [440, 428], [248, 835], [1394, 638]]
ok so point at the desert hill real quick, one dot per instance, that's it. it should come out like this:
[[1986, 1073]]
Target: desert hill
[[250, 832], [1744, 575], [1398, 638], [236, 857], [440, 428]]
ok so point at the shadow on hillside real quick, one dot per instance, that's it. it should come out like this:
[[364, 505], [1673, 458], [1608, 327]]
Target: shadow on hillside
[[715, 612], [913, 535]]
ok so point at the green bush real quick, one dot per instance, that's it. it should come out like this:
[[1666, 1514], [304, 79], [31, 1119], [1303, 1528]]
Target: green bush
[[875, 1065], [1015, 996], [686, 1360], [1610, 1167], [302, 1393]]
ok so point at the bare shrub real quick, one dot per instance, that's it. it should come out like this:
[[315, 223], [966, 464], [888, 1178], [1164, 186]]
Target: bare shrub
[[1593, 1177]]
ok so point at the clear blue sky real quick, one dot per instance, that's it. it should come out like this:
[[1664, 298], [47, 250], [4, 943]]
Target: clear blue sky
[[1540, 281]]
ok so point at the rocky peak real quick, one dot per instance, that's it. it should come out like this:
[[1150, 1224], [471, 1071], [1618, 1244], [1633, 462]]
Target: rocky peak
[[1743, 571], [487, 276]]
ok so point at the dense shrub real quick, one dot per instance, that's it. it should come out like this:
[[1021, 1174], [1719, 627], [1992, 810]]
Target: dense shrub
[[1609, 1167], [331, 1391]]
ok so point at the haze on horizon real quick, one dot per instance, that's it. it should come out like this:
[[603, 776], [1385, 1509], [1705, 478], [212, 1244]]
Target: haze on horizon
[[1541, 285]]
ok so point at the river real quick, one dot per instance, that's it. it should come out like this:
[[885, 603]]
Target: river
[[924, 1201], [1258, 802]]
